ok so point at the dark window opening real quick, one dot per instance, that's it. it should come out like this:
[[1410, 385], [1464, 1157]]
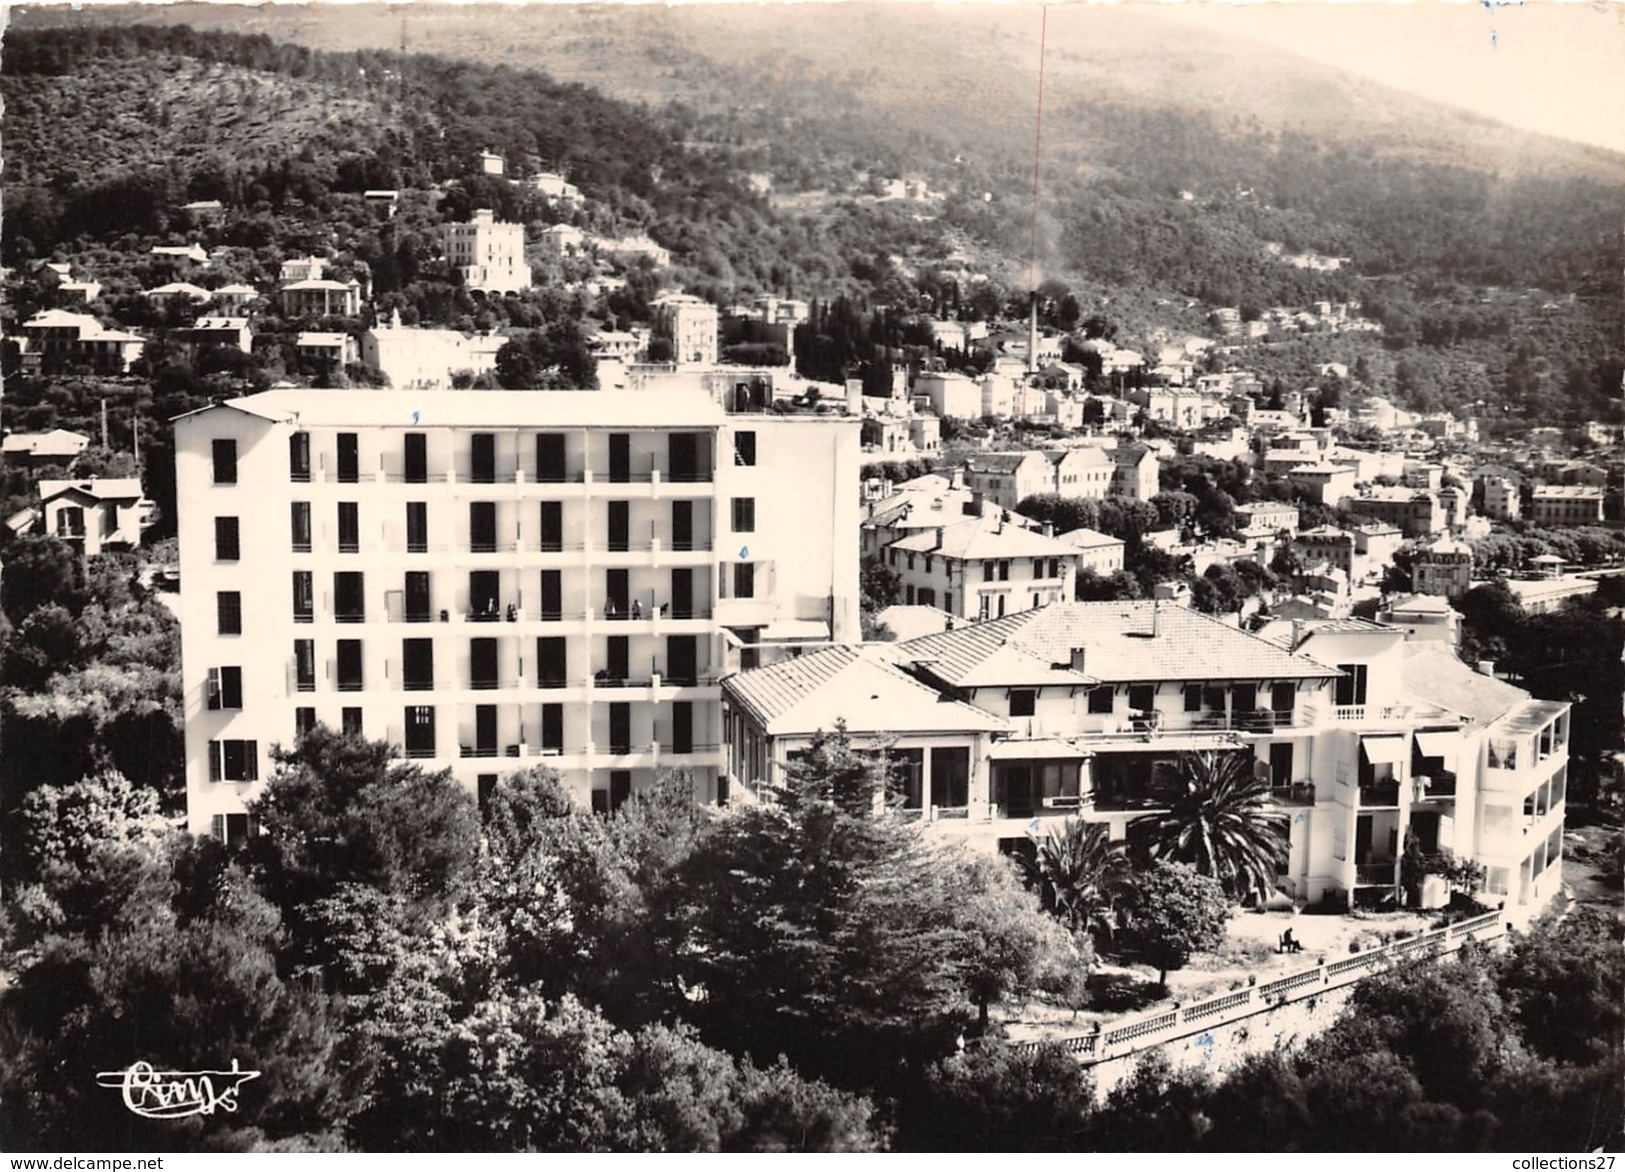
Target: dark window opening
[[349, 665], [304, 597], [482, 527], [349, 597], [229, 612], [225, 461], [299, 457], [416, 463], [349, 527], [417, 665], [226, 546], [483, 458], [349, 457]]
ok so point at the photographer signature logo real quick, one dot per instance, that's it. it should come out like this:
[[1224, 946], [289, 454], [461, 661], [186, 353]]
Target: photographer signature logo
[[175, 1094]]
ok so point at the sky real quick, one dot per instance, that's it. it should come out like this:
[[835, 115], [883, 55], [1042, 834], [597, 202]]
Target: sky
[[1556, 68]]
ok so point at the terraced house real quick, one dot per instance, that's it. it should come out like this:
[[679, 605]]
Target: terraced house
[[496, 580], [1068, 710]]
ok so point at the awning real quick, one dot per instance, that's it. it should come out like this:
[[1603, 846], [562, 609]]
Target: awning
[[780, 629], [1383, 750], [1439, 744], [1041, 750]]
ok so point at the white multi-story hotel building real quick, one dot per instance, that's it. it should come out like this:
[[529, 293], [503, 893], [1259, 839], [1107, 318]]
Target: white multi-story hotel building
[[489, 254], [691, 324], [1367, 740], [497, 580]]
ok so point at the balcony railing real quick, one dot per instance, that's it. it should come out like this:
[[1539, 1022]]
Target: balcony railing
[[1438, 785], [1262, 720], [603, 679], [1374, 874], [419, 752], [1299, 793], [350, 616], [1381, 793]]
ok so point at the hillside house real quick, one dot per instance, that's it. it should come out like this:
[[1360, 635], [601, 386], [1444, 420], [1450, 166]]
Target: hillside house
[[95, 514]]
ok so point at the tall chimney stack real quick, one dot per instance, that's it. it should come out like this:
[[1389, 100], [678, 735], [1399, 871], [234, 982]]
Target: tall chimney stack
[[1032, 332]]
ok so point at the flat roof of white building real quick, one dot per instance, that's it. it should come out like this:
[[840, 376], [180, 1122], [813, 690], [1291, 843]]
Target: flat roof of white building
[[484, 410]]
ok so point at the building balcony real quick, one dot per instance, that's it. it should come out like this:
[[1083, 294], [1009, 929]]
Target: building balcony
[[1389, 714], [1299, 793], [1380, 795], [1437, 787], [1381, 874]]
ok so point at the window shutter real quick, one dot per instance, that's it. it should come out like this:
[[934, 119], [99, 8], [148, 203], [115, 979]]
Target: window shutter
[[213, 689], [214, 760], [217, 827], [251, 760]]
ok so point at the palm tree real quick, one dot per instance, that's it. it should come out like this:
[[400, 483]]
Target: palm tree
[[1217, 820], [1081, 875]]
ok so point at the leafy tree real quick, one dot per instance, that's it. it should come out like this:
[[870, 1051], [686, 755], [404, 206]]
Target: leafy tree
[[879, 585], [49, 640], [1116, 586], [592, 907], [1065, 513], [1565, 984], [40, 571], [1447, 1024], [1014, 948], [1155, 1109], [824, 929], [341, 810], [993, 1097], [64, 826], [519, 809], [1217, 820], [194, 972], [1176, 911], [1175, 509]]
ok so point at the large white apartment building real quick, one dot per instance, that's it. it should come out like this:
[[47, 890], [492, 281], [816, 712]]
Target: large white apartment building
[[489, 254], [690, 323], [1367, 739], [497, 580]]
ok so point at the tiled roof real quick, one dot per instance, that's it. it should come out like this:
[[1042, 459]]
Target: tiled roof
[[999, 461], [107, 489], [1089, 539], [977, 539], [56, 442], [1279, 631], [1036, 646], [1434, 676], [816, 691]]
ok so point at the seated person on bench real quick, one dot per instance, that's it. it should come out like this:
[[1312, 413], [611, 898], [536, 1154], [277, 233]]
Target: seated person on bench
[[1289, 943]]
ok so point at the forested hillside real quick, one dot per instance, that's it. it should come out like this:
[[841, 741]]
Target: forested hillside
[[1150, 213]]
